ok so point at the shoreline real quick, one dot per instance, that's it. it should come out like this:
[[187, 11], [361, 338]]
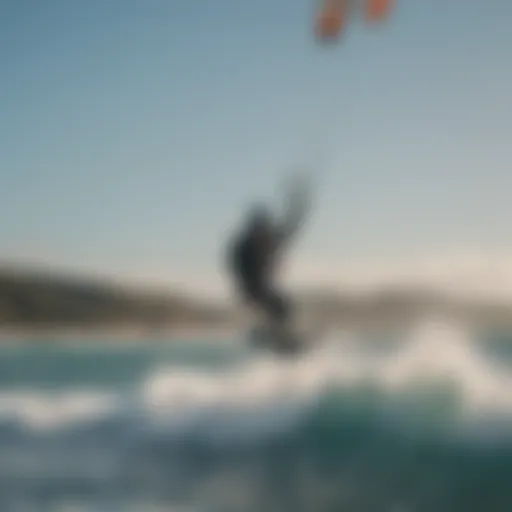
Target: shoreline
[[114, 334], [144, 334]]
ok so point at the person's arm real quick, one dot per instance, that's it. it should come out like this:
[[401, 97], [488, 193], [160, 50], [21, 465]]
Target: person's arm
[[296, 209]]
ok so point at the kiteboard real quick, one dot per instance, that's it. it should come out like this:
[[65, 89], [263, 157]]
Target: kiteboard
[[286, 341], [283, 341]]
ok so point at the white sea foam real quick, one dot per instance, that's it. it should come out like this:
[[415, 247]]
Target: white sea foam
[[264, 395]]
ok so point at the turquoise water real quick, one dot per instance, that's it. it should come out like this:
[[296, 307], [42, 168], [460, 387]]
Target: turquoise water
[[419, 423]]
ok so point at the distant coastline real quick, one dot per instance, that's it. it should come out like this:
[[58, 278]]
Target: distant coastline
[[33, 299], [39, 306], [110, 335]]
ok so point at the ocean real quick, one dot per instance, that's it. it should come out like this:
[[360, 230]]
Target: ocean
[[414, 421]]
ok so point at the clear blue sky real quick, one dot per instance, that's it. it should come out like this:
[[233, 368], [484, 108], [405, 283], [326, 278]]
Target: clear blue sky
[[132, 132]]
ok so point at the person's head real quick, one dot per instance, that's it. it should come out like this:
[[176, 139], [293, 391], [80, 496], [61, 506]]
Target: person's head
[[259, 221]]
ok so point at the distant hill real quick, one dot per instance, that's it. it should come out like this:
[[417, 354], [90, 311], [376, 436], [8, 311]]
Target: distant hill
[[39, 300], [32, 299], [399, 306]]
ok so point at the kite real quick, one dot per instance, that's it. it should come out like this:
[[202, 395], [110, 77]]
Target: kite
[[333, 15]]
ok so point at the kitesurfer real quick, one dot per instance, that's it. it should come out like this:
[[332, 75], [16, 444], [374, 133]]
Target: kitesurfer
[[256, 254]]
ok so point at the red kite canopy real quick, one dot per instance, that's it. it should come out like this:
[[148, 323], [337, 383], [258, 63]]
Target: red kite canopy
[[333, 15]]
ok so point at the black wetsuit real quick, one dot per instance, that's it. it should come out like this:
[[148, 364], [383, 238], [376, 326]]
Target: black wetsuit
[[252, 260], [256, 252]]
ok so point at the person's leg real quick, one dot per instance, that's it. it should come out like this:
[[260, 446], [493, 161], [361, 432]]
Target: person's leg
[[279, 310], [275, 309], [276, 306], [255, 296]]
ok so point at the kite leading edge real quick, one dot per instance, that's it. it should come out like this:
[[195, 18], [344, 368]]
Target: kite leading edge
[[333, 15]]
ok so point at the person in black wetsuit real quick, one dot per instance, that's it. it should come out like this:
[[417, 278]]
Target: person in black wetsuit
[[256, 253]]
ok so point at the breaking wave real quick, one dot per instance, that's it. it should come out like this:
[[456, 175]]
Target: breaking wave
[[424, 424]]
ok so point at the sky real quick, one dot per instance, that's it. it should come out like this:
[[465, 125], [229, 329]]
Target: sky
[[133, 134]]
